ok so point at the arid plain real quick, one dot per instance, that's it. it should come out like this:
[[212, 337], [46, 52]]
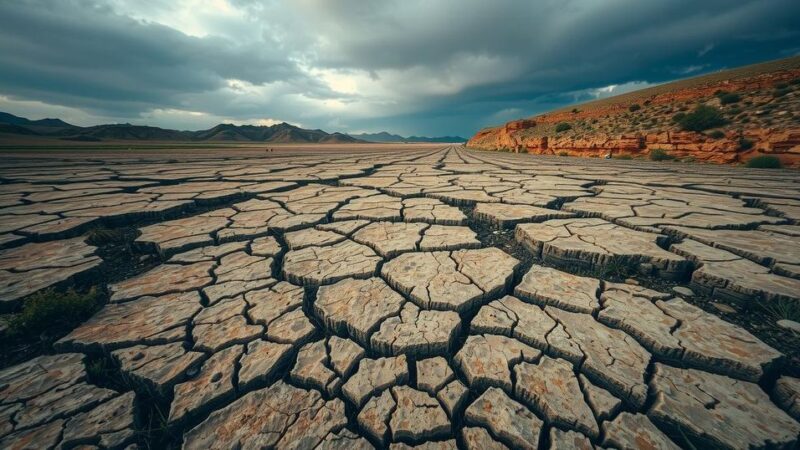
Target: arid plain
[[360, 296]]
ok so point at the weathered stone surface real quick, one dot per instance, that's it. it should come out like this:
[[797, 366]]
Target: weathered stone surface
[[449, 444], [512, 317], [110, 424], [609, 357], [311, 368], [509, 421], [418, 417], [603, 404], [441, 237], [344, 440], [715, 410], [265, 246], [453, 397], [344, 355], [164, 279], [547, 286], [597, 244], [417, 332], [261, 361], [374, 417], [214, 336], [212, 386], [391, 238], [294, 328], [477, 438], [177, 235], [433, 374], [374, 375], [280, 416], [718, 346], [632, 309], [486, 360], [158, 366], [727, 275], [505, 215], [148, 320], [208, 253], [635, 431], [456, 280], [266, 305], [431, 210], [356, 308], [30, 267], [324, 265], [310, 236], [551, 389], [787, 395], [569, 440]]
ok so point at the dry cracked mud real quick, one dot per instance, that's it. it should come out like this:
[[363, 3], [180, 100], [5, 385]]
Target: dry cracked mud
[[435, 298]]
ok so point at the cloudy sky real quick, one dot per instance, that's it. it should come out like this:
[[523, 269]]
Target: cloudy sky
[[425, 67]]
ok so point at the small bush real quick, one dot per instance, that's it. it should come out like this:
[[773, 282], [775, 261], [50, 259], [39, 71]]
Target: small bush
[[716, 134], [780, 92], [781, 86], [623, 157], [563, 153], [729, 98], [563, 126], [678, 117], [702, 118], [575, 110], [745, 144], [49, 309], [634, 107], [658, 154], [764, 162]]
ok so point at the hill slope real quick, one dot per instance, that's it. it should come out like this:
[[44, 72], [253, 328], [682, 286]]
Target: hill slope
[[383, 136], [749, 111], [279, 133]]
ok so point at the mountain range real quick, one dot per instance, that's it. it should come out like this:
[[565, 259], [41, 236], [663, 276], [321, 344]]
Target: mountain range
[[282, 133]]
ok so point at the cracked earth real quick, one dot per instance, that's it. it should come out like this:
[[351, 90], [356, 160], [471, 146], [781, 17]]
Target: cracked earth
[[430, 298]]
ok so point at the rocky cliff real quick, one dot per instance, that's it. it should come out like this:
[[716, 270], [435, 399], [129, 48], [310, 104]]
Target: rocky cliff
[[758, 111]]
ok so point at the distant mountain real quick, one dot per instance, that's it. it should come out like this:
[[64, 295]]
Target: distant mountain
[[279, 133], [384, 136]]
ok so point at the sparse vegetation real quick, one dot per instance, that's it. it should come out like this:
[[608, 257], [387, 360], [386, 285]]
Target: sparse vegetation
[[716, 134], [745, 144], [728, 98], [658, 154], [563, 126], [780, 92], [49, 309], [678, 117], [634, 107], [563, 154], [702, 118], [764, 162]]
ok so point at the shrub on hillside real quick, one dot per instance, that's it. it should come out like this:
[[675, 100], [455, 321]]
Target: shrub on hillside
[[678, 117], [563, 126], [716, 134], [764, 162], [745, 144], [658, 154], [702, 118], [728, 98], [634, 107], [563, 153]]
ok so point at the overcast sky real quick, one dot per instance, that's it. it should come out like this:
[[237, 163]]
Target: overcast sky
[[425, 67]]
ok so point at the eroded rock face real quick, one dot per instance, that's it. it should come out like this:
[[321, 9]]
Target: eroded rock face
[[450, 280], [278, 416], [597, 244], [316, 266], [31, 267], [551, 388], [742, 414], [276, 312], [547, 286], [148, 320], [635, 431], [356, 308], [511, 422]]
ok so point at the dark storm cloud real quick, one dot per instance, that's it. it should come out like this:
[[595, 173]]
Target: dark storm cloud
[[432, 67], [79, 54]]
